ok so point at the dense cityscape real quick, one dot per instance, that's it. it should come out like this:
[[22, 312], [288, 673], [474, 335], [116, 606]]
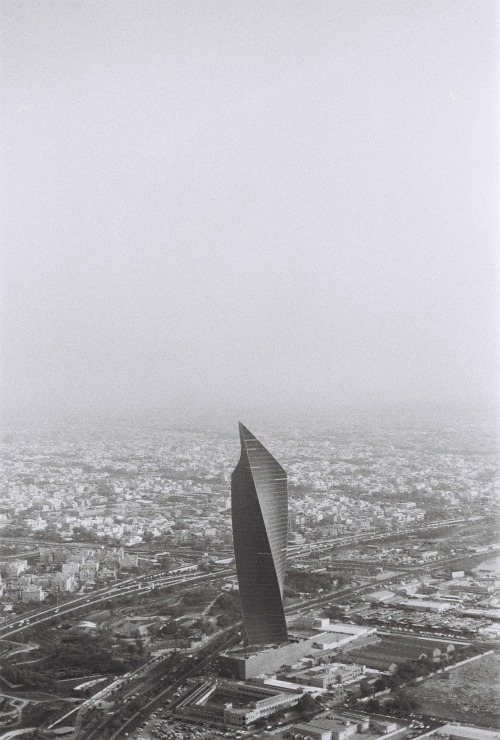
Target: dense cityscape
[[120, 611]]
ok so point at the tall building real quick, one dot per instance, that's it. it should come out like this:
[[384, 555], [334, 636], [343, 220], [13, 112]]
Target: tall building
[[259, 501]]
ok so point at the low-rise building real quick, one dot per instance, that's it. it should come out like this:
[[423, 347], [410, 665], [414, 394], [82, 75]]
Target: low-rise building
[[249, 662], [325, 728], [426, 605], [301, 731], [342, 726], [465, 732], [14, 568], [324, 676], [32, 593], [63, 582], [242, 716]]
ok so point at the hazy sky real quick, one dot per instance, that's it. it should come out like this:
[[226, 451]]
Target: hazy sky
[[247, 203]]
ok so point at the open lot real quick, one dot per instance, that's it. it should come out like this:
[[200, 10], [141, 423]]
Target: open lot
[[470, 694]]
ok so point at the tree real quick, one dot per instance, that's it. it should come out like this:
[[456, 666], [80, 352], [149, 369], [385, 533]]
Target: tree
[[372, 705], [365, 687], [166, 561], [206, 566], [403, 702], [333, 612], [198, 596], [224, 620], [260, 723], [307, 705], [307, 582], [393, 682]]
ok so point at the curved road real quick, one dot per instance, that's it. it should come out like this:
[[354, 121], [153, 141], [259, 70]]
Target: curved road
[[16, 733]]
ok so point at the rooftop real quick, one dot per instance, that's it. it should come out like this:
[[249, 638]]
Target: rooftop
[[467, 732]]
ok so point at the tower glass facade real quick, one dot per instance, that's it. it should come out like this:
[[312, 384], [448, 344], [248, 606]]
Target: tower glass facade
[[259, 501]]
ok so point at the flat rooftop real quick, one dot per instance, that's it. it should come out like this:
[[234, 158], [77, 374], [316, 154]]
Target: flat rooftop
[[245, 651], [467, 732]]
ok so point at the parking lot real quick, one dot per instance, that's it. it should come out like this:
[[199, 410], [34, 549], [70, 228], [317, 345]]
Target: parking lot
[[161, 727]]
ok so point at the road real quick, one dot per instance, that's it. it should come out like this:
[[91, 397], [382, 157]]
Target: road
[[89, 601], [30, 541], [15, 733], [158, 700], [153, 683], [423, 636], [374, 536], [297, 607], [165, 578]]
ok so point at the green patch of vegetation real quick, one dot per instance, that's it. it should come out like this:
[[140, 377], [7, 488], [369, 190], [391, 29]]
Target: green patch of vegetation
[[308, 706], [74, 653], [298, 581], [77, 652], [199, 596], [403, 702], [227, 608], [333, 612]]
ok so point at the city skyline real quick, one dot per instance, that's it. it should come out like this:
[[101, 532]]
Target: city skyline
[[117, 562]]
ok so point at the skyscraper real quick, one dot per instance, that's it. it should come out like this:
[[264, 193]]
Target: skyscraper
[[259, 501]]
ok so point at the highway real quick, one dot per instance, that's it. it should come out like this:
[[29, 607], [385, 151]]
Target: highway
[[186, 668], [89, 601], [15, 733], [374, 536], [295, 608], [128, 683], [159, 699], [42, 611], [340, 595], [31, 541], [163, 579]]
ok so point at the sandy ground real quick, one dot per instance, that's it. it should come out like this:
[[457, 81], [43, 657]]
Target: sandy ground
[[471, 694]]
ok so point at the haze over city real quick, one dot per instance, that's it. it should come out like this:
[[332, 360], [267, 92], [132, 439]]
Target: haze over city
[[247, 205], [282, 214]]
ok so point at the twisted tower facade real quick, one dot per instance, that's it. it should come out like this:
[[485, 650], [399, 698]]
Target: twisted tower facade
[[259, 502]]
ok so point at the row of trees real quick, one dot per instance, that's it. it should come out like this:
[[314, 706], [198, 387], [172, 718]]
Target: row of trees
[[405, 673], [401, 701]]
